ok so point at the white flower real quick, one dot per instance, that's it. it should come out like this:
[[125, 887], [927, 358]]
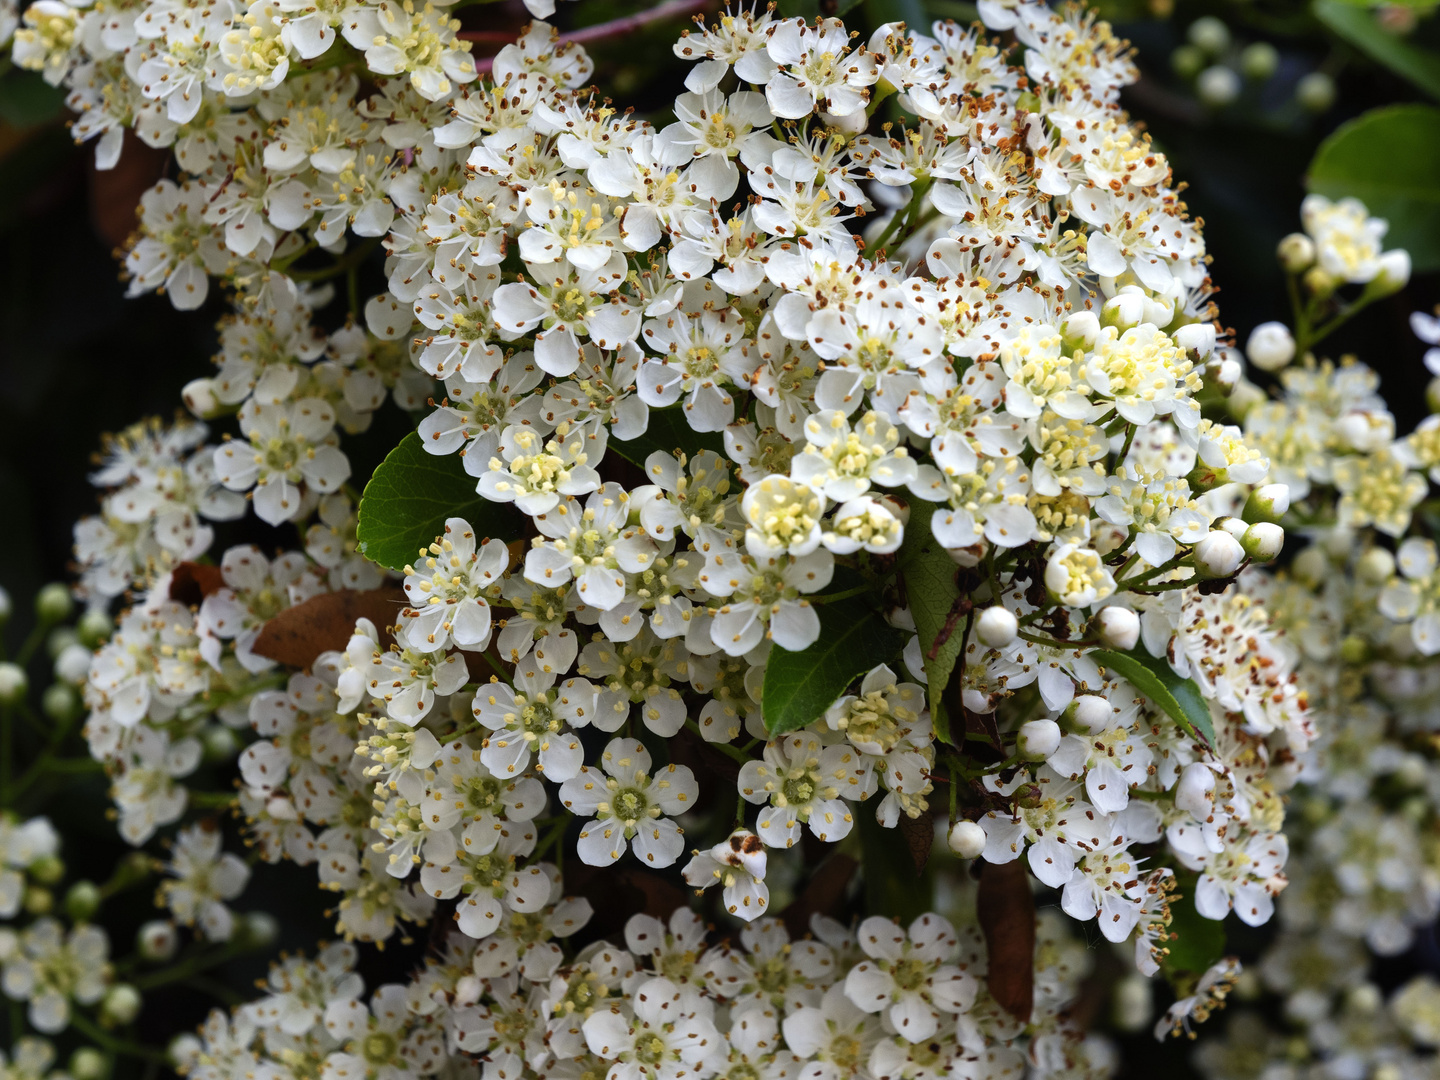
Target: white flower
[[910, 976], [531, 719], [842, 461], [205, 878], [737, 864], [805, 783], [816, 69], [764, 599], [594, 546], [50, 969], [291, 445], [664, 1037], [450, 592], [627, 803], [534, 472], [1077, 576]]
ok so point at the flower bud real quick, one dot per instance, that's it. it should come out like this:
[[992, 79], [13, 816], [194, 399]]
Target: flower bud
[[39, 901], [1210, 34], [1038, 739], [1091, 712], [1268, 503], [1134, 1004], [1354, 649], [1259, 61], [7, 606], [1365, 431], [1376, 566], [1198, 338], [199, 397], [48, 870], [260, 929], [1124, 310], [94, 628], [82, 901], [1271, 346], [1245, 397], [1192, 793], [87, 1063], [968, 556], [468, 990], [1081, 329], [53, 603], [61, 703], [157, 941], [1394, 273], [1263, 541], [1186, 61], [1218, 555], [73, 665], [1315, 92], [219, 742], [14, 684], [1117, 628], [1310, 567], [996, 627], [967, 839], [1232, 525], [1217, 86], [1296, 253], [120, 1005], [1226, 375]]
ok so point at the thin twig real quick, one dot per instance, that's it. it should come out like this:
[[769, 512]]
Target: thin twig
[[671, 9]]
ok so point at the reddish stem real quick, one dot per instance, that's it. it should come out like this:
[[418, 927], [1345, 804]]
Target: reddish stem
[[601, 31]]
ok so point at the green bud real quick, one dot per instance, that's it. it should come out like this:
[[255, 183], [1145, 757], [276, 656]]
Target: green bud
[[61, 703], [47, 870], [1315, 92], [1259, 60], [82, 901], [14, 684], [39, 901], [1354, 649], [53, 603], [219, 742], [59, 638], [1270, 502], [87, 1063], [120, 1005], [94, 627], [1187, 61]]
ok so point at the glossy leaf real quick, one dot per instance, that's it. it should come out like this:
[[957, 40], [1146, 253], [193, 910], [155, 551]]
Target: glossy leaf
[[800, 686], [929, 575], [1356, 25], [1197, 942], [410, 495], [1179, 698], [1389, 159], [667, 430]]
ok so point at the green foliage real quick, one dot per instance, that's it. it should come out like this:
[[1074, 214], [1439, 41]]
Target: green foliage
[[929, 576], [800, 686], [1355, 24], [1199, 942], [1390, 160], [669, 432], [407, 500], [1156, 679]]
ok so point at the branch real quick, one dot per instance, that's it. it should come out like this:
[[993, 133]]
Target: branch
[[670, 9]]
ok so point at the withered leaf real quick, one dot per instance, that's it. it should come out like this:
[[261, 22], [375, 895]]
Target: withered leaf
[[299, 634], [1007, 916], [919, 834], [191, 582]]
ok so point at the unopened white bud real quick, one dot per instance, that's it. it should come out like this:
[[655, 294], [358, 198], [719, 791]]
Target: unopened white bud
[[967, 839], [1091, 712], [157, 941], [1038, 739], [1268, 503], [468, 989], [53, 603], [1263, 541], [1124, 310], [1210, 34], [1376, 566], [6, 606], [1192, 793], [121, 1004], [14, 684], [1226, 374], [1232, 525], [1310, 566], [1117, 628], [1271, 346], [1365, 431], [1394, 272], [1245, 397], [1218, 554], [261, 929], [1082, 327], [1198, 338], [1217, 86], [1296, 253], [996, 627], [1315, 92], [1134, 1004], [87, 1063], [1259, 60], [199, 397]]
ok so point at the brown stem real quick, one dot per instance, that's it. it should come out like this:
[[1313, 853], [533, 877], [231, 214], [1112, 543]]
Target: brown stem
[[601, 31]]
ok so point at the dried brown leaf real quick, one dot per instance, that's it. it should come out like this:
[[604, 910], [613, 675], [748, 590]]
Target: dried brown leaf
[[299, 634]]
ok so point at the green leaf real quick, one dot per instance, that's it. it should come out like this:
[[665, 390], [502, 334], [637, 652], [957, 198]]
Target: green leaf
[[667, 430], [1156, 679], [410, 495], [1356, 26], [1199, 942], [929, 575], [800, 686], [1389, 159]]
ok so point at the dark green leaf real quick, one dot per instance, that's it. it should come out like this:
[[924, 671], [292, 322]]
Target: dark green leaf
[[667, 431], [800, 686], [1389, 159], [1198, 942], [1357, 26], [407, 500], [929, 576], [1156, 679], [892, 885]]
